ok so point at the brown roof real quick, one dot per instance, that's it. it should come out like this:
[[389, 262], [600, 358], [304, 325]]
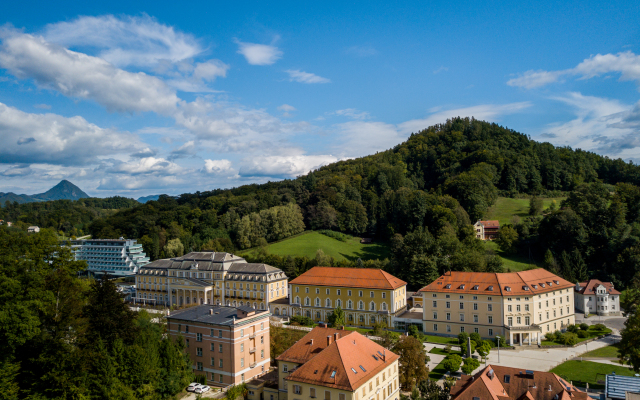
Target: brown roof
[[490, 224], [590, 287], [369, 278], [310, 345], [532, 385], [347, 363], [530, 282]]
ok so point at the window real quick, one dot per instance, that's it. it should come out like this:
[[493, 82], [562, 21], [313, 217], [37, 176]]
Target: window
[[509, 308], [435, 303], [360, 293], [348, 292], [186, 329], [475, 306], [211, 333], [526, 321], [461, 305], [317, 291], [285, 368], [510, 321], [518, 307], [198, 337], [220, 333], [448, 316], [327, 394], [476, 330], [462, 329], [328, 291], [448, 328], [448, 304], [219, 348], [384, 295], [296, 389], [199, 366], [312, 392], [435, 327], [475, 318], [490, 332], [519, 319], [338, 291], [199, 351], [212, 347], [213, 362], [435, 315], [507, 379], [242, 362], [187, 342], [342, 396], [261, 353], [261, 339], [241, 346], [306, 290], [489, 307], [491, 319], [461, 317], [220, 364]]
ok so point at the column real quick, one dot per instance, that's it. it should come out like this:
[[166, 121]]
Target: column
[[539, 338], [529, 338], [510, 338]]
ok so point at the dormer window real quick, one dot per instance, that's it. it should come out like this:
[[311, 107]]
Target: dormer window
[[476, 287], [543, 285], [447, 287], [535, 286], [462, 286], [550, 284], [507, 288], [490, 288], [556, 282], [525, 287]]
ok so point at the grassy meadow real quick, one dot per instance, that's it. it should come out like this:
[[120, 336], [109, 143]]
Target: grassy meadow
[[505, 208], [583, 372]]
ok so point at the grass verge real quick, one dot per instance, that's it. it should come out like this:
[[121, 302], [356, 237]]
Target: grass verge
[[438, 350], [583, 372], [441, 339], [607, 351]]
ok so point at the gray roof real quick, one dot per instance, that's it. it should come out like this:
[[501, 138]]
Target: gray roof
[[206, 260], [252, 268], [617, 385], [222, 315]]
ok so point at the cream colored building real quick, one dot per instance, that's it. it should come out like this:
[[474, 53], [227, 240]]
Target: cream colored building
[[519, 306], [210, 278], [366, 295], [334, 364]]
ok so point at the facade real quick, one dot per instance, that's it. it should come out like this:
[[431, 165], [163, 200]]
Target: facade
[[519, 306], [596, 297], [366, 295], [333, 364], [117, 257], [505, 383], [229, 345], [33, 229], [487, 230], [209, 277]]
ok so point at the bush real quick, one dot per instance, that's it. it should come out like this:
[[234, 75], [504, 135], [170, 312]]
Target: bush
[[463, 347], [335, 235], [452, 363], [584, 327], [470, 364], [583, 334], [598, 327], [558, 335], [201, 379], [462, 337], [503, 342], [569, 339], [300, 320], [447, 348], [550, 336], [476, 337], [572, 328]]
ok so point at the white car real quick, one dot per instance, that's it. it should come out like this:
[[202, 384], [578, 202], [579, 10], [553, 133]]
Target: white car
[[193, 386], [202, 389]]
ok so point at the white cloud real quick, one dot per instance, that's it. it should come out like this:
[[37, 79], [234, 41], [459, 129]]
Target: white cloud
[[53, 139], [220, 167], [259, 54], [43, 106], [626, 63], [79, 75], [284, 166], [146, 152], [134, 184], [186, 150], [146, 165], [286, 110], [124, 41], [17, 170], [295, 75], [210, 70], [353, 113]]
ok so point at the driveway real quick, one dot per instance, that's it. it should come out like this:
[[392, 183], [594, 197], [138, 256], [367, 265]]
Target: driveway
[[610, 322]]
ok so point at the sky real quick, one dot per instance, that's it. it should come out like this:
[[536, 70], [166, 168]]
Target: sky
[[142, 98]]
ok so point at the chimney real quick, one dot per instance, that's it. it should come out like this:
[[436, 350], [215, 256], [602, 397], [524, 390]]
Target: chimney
[[311, 342], [328, 340], [336, 336], [211, 311], [384, 355]]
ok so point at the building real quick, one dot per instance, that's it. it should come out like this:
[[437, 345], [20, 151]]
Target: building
[[505, 383], [367, 295], [622, 387], [519, 306], [9, 223], [487, 230], [596, 297], [414, 299], [33, 229], [116, 257], [209, 277], [229, 345], [333, 364]]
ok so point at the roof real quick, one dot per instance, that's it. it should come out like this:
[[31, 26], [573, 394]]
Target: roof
[[490, 223], [529, 282], [617, 385], [310, 345], [590, 286], [212, 261], [346, 363], [210, 314], [369, 278], [533, 385]]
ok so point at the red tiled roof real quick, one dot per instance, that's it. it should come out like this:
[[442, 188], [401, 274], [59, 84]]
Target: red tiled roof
[[352, 360], [529, 282], [490, 384], [369, 278], [310, 345], [590, 287], [490, 224]]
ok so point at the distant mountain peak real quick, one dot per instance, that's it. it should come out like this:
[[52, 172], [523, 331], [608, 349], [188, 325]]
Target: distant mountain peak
[[64, 190]]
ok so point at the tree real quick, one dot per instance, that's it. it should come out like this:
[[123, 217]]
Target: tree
[[174, 248], [413, 360], [282, 339], [629, 346], [337, 318], [535, 206], [470, 364], [507, 239], [452, 363], [430, 390], [484, 349]]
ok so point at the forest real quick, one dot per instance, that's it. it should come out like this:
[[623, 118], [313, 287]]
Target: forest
[[421, 197]]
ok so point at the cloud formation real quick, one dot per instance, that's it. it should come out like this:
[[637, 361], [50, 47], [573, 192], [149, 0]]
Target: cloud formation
[[295, 75], [284, 166], [259, 54]]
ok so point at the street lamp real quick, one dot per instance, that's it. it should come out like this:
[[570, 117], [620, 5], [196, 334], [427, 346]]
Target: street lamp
[[498, 337]]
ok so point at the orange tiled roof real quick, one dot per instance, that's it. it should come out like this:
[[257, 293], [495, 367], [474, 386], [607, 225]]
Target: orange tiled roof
[[347, 363], [590, 287], [490, 384], [310, 345], [494, 223], [369, 278], [530, 282]]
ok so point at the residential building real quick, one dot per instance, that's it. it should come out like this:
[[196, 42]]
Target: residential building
[[487, 230], [519, 306], [366, 295], [209, 277], [506, 383], [9, 223], [622, 387], [414, 299], [333, 364], [596, 297], [116, 257], [229, 345], [33, 229]]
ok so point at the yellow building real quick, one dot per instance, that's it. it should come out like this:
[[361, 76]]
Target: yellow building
[[333, 364], [210, 278], [519, 306], [366, 295]]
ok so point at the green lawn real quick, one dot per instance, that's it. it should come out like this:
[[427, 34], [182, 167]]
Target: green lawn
[[438, 350], [505, 208], [513, 263], [308, 243], [438, 372], [607, 351], [441, 339], [583, 372]]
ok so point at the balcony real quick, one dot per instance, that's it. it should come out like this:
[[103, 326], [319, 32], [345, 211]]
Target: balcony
[[253, 365], [252, 350], [252, 336]]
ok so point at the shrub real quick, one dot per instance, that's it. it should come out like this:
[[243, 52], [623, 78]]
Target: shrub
[[583, 334], [462, 337], [598, 327], [201, 379], [476, 337], [569, 339], [558, 335], [550, 336], [470, 364], [572, 328], [463, 346], [300, 320], [447, 348], [452, 363], [584, 327], [503, 342]]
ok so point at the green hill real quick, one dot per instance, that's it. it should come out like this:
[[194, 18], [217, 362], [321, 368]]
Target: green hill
[[505, 208]]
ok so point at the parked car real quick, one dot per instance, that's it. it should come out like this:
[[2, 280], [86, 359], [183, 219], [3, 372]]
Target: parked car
[[202, 389], [193, 386]]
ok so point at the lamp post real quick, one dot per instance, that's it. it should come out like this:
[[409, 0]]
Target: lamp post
[[498, 337]]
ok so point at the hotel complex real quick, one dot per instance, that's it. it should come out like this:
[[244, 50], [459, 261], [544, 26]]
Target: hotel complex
[[209, 277], [519, 306], [366, 295], [226, 344], [117, 257], [332, 364]]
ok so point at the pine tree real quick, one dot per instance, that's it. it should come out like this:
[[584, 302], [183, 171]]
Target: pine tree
[[579, 267], [566, 267]]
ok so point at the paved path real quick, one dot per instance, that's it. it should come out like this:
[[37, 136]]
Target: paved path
[[616, 323]]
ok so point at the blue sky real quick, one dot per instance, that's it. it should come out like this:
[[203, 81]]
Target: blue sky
[[148, 98]]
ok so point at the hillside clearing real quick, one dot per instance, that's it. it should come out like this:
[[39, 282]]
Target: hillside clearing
[[505, 208]]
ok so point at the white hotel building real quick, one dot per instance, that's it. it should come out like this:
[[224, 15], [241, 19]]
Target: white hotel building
[[116, 257]]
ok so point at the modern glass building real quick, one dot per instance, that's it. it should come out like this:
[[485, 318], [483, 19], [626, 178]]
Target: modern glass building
[[117, 257]]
